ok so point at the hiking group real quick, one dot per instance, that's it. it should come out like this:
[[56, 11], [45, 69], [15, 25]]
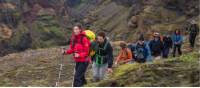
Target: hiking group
[[86, 48]]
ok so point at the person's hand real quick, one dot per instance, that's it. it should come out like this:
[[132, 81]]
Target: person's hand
[[176, 43], [109, 70], [63, 50], [116, 63], [76, 55]]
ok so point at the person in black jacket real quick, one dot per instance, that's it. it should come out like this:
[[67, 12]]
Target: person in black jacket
[[193, 32], [167, 44], [103, 58], [156, 46]]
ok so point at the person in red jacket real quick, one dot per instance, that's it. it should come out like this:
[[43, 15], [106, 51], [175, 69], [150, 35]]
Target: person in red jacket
[[79, 47]]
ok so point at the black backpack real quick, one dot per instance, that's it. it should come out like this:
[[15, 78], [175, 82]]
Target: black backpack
[[140, 51]]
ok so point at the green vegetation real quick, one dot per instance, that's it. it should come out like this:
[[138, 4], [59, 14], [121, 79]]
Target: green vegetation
[[181, 71]]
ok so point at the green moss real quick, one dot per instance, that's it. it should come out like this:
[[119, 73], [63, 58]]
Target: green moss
[[179, 71], [191, 58]]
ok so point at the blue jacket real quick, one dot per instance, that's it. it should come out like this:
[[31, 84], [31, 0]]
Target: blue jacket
[[149, 57], [177, 38], [146, 48]]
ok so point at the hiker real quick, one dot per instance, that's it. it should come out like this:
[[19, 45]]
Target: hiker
[[167, 45], [193, 32], [131, 47], [103, 58], [177, 39], [125, 55], [156, 46], [141, 51], [79, 47]]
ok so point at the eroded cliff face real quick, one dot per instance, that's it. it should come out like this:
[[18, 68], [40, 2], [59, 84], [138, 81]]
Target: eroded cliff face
[[49, 22], [127, 18]]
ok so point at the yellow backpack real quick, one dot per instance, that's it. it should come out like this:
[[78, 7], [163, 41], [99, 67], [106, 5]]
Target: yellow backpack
[[90, 35]]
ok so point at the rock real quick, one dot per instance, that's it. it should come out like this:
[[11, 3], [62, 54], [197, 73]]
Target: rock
[[7, 6], [134, 19], [133, 22], [46, 11], [131, 25]]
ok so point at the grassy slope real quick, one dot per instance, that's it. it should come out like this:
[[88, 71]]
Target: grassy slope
[[181, 71], [34, 68]]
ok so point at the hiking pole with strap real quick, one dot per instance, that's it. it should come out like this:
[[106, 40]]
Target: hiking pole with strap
[[60, 69]]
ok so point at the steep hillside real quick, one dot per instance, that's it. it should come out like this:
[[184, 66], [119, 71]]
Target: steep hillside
[[128, 18], [48, 23]]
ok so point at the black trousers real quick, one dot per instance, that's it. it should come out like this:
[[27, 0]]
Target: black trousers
[[79, 77], [192, 39], [140, 60], [165, 52], [175, 48]]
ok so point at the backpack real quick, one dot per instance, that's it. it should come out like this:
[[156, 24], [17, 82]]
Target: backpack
[[167, 42], [156, 46], [140, 51], [90, 35]]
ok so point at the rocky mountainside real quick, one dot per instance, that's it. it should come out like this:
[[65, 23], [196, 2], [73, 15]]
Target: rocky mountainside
[[44, 23]]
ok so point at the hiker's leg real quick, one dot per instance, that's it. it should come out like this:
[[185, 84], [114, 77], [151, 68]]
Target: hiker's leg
[[163, 53], [95, 71], [79, 79], [174, 51], [143, 60], [193, 40], [190, 40], [85, 69], [102, 71], [75, 75], [166, 53], [179, 50]]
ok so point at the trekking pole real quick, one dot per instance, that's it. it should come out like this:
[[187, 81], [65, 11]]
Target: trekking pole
[[60, 69]]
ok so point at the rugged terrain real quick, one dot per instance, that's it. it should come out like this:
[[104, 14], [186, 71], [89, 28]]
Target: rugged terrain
[[32, 31], [36, 24], [40, 68]]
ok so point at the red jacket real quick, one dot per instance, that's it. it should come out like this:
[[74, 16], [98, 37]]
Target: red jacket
[[81, 46]]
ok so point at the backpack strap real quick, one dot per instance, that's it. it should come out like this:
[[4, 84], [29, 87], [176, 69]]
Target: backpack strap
[[127, 52], [74, 41], [99, 58], [105, 46], [82, 36]]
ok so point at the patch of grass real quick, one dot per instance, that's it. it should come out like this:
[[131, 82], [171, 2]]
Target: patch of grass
[[180, 71]]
